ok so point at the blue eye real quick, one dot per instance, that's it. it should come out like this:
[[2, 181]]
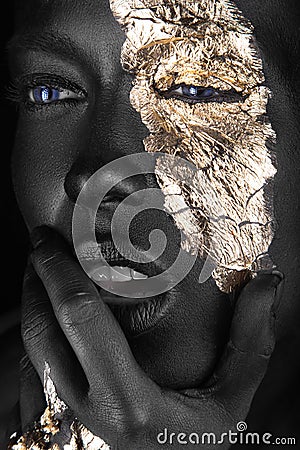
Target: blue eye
[[44, 94], [195, 92], [192, 90], [199, 94]]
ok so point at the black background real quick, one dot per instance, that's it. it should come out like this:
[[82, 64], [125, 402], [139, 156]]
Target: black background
[[14, 235]]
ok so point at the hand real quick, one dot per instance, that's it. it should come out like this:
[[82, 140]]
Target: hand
[[66, 323]]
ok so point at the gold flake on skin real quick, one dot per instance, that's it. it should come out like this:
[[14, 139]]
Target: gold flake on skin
[[199, 90], [57, 429]]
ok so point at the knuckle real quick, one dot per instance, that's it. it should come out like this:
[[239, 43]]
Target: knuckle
[[125, 419], [34, 326], [133, 422], [26, 367], [45, 262], [77, 308], [128, 421], [46, 259]]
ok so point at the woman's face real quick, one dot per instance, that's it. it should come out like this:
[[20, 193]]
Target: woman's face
[[74, 47]]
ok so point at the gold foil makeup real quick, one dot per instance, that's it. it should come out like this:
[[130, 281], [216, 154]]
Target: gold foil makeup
[[206, 43], [57, 429]]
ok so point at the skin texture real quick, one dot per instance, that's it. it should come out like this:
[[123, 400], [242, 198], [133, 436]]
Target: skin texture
[[88, 136], [57, 149], [110, 393], [210, 45]]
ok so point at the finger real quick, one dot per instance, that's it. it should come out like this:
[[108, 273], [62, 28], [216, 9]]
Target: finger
[[85, 319], [32, 398], [45, 342], [91, 329], [252, 341]]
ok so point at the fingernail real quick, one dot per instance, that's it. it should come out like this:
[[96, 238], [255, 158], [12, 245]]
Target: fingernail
[[278, 280], [277, 277], [39, 235], [278, 274]]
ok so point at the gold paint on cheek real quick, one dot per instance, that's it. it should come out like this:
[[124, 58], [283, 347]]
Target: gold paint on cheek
[[207, 43]]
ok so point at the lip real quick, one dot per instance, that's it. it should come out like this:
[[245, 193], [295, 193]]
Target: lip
[[135, 315], [90, 254]]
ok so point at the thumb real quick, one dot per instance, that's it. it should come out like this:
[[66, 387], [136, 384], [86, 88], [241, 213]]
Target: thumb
[[252, 341]]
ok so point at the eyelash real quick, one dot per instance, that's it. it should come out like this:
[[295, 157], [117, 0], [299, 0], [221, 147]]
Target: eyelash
[[21, 91], [200, 94]]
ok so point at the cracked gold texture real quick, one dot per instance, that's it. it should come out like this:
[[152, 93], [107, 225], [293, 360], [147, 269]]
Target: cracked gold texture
[[207, 43], [57, 429]]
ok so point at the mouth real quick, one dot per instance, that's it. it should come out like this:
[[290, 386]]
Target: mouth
[[135, 313]]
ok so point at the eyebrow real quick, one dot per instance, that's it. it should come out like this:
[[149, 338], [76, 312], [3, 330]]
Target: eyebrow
[[47, 42]]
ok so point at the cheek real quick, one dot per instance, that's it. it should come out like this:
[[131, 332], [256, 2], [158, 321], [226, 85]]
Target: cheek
[[223, 203], [44, 150]]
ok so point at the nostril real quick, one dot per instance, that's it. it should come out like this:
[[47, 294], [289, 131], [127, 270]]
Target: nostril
[[74, 182], [121, 187], [130, 188]]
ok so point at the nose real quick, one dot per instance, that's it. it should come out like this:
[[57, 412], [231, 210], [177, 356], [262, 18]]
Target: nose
[[82, 171], [113, 130]]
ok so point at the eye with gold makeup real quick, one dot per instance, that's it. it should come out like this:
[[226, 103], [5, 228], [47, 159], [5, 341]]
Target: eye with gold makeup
[[199, 94], [200, 89]]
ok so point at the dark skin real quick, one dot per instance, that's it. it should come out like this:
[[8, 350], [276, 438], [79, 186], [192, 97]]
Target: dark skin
[[100, 379], [57, 149]]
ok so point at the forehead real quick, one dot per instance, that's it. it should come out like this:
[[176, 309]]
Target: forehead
[[87, 22], [76, 31], [41, 12], [88, 18]]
